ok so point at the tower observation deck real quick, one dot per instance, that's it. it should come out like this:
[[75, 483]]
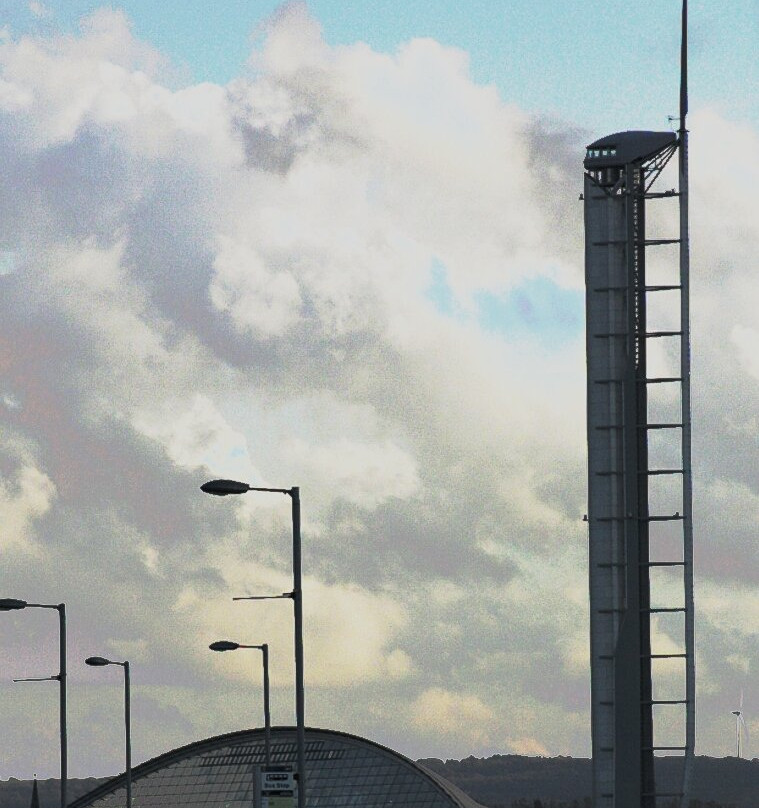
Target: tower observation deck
[[639, 481]]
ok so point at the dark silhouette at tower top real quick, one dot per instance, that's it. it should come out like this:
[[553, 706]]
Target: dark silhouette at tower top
[[622, 148]]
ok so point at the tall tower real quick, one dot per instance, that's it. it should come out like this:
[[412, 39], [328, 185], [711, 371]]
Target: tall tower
[[639, 470]]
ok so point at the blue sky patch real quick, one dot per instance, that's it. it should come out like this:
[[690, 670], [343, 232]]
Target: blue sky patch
[[511, 45], [439, 292], [538, 309]]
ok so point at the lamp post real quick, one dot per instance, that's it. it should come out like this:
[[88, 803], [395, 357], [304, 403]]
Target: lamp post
[[222, 488], [227, 645], [13, 604], [99, 662]]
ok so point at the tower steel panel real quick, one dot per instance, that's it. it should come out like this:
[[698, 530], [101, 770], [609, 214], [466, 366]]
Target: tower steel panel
[[626, 708], [605, 269], [626, 712]]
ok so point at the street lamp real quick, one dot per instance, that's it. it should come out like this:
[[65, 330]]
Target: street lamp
[[13, 604], [99, 662], [222, 488], [227, 645]]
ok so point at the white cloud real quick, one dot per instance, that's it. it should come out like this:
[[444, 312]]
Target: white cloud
[[575, 652], [364, 474], [135, 651], [733, 610], [746, 340], [350, 633], [262, 302], [528, 746], [23, 500], [294, 43], [441, 711], [353, 635], [739, 662], [198, 437], [72, 82], [39, 10], [14, 98]]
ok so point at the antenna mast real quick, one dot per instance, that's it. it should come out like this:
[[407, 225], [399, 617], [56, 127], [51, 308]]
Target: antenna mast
[[690, 672], [684, 68]]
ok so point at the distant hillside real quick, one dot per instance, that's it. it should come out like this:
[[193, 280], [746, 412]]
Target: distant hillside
[[17, 793], [511, 781], [514, 780], [503, 779]]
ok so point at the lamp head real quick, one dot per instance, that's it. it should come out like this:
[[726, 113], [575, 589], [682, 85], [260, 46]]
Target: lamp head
[[221, 488], [11, 604], [224, 645], [97, 661]]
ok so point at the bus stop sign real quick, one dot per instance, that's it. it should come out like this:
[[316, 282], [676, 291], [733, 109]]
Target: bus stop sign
[[279, 789]]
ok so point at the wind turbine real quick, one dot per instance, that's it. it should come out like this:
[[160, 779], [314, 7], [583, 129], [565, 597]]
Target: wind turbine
[[740, 724]]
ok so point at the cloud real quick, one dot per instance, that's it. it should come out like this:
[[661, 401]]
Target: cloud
[[746, 340], [282, 281], [260, 301], [528, 746], [364, 474], [440, 711], [23, 501], [39, 10], [353, 635], [198, 437]]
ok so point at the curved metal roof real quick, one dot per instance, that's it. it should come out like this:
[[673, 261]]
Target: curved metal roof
[[457, 798], [622, 148]]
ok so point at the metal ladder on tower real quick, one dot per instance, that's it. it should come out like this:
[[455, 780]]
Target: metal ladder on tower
[[680, 559]]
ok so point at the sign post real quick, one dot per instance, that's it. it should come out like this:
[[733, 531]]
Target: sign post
[[278, 787]]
